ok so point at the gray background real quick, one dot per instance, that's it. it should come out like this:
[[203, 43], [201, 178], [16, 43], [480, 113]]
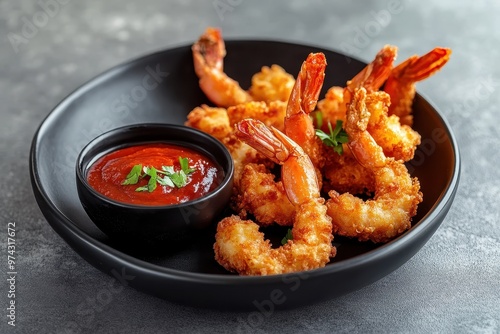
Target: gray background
[[451, 285]]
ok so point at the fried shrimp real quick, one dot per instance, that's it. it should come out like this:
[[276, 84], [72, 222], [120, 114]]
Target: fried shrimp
[[397, 195], [216, 122], [303, 100], [208, 56], [271, 113], [272, 124], [219, 122], [211, 120], [371, 77], [271, 84], [243, 155], [344, 174], [397, 140], [241, 247], [332, 107], [400, 84], [264, 197], [259, 193]]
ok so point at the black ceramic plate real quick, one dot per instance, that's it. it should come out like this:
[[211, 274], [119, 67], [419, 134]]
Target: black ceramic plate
[[163, 88]]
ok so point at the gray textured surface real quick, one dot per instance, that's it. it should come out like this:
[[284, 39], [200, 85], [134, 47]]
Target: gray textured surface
[[451, 285]]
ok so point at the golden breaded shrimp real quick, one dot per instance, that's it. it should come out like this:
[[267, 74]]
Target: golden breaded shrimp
[[396, 197], [271, 84], [344, 174], [243, 155], [271, 113], [332, 107], [208, 55], [361, 143], [260, 195], [220, 122], [372, 77], [303, 99], [211, 120], [241, 247], [397, 141], [216, 122], [400, 84]]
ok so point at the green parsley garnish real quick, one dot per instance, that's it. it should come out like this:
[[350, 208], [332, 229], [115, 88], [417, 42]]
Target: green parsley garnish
[[335, 138], [167, 176], [185, 166], [153, 178], [133, 176], [319, 118], [287, 237]]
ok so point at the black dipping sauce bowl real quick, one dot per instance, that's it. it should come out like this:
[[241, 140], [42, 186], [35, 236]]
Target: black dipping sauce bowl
[[153, 225]]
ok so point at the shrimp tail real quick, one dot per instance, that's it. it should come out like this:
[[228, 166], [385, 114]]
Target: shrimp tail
[[208, 58], [262, 138], [303, 100], [373, 76], [304, 97], [400, 84], [308, 85], [210, 51], [297, 169], [418, 68]]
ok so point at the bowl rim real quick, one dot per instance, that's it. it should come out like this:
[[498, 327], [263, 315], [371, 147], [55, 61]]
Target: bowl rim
[[83, 154]]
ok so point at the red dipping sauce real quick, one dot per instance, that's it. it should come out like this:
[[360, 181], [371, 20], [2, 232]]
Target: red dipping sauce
[[107, 174]]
